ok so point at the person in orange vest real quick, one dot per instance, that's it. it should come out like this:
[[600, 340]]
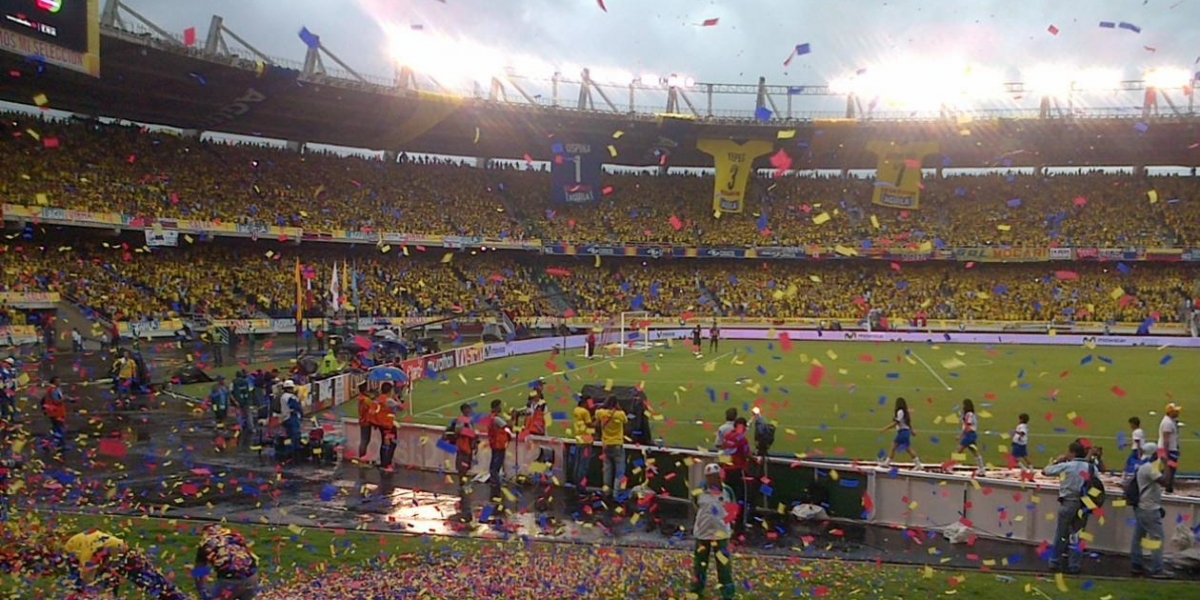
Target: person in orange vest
[[465, 441], [385, 421], [499, 435], [535, 411], [366, 417], [55, 408]]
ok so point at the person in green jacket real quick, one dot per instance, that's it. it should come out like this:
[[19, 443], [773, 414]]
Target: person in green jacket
[[329, 364]]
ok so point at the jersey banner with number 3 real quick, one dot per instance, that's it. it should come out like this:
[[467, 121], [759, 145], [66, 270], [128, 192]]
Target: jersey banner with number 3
[[575, 171]]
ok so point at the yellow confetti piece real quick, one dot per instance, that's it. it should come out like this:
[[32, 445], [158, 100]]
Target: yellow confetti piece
[[845, 250], [913, 506], [612, 150], [617, 134], [785, 134], [937, 420], [1116, 293], [1004, 227], [385, 248], [834, 475], [814, 278], [43, 199], [295, 529], [447, 257], [1152, 194], [608, 385], [476, 141], [953, 363], [928, 572], [596, 263], [188, 239], [1061, 582], [41, 100], [958, 456], [821, 219], [831, 354], [1083, 535], [1149, 544], [33, 134], [874, 221]]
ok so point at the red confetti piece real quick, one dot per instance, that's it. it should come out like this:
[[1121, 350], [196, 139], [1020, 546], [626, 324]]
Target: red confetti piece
[[785, 342], [815, 374], [1116, 389]]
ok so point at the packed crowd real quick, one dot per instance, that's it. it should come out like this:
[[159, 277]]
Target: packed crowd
[[98, 167], [240, 280]]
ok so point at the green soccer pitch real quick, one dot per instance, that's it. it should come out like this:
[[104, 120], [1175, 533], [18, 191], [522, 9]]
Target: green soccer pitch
[[1068, 392]]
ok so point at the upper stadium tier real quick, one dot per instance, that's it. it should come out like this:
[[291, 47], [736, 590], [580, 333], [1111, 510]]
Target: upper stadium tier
[[149, 76]]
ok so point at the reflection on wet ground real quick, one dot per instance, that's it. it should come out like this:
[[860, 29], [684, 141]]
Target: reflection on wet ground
[[173, 460]]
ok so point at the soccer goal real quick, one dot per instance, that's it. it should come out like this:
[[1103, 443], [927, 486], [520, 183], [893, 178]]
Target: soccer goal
[[635, 332]]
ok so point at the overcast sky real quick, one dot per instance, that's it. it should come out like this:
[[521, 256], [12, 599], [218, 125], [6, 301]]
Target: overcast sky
[[752, 38]]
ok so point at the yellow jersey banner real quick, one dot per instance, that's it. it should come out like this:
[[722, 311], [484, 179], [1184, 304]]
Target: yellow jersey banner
[[733, 162], [898, 172]]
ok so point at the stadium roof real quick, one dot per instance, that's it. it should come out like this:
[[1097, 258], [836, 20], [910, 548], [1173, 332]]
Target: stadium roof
[[150, 80]]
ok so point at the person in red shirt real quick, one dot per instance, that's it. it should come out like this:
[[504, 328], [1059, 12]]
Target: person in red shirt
[[465, 441], [55, 408], [591, 345], [499, 435], [535, 411], [737, 448]]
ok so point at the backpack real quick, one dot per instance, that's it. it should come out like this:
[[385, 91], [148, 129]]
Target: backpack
[[1131, 491], [1093, 488]]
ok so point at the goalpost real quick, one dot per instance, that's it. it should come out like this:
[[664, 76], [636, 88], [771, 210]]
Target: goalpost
[[635, 332]]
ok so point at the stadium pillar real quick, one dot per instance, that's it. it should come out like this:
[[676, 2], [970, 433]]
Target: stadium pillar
[[295, 146]]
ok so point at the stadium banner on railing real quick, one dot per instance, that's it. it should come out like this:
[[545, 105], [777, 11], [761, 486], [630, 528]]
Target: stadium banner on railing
[[898, 253], [14, 335], [29, 299], [734, 163], [158, 238], [1002, 254], [149, 329], [469, 355], [1061, 254], [1164, 254], [780, 252], [898, 172], [1192, 255]]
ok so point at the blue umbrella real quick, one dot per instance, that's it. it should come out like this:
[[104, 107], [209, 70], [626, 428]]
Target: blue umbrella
[[387, 374]]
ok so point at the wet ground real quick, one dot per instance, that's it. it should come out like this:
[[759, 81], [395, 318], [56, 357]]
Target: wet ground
[[164, 456]]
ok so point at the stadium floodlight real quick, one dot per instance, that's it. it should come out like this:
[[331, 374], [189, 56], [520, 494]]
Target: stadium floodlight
[[674, 81], [1049, 80], [689, 82], [1167, 78], [1097, 79]]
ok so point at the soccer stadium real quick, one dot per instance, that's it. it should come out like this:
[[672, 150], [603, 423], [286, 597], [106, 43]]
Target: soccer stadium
[[906, 309]]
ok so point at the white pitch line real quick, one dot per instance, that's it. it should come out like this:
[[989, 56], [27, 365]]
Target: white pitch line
[[932, 372]]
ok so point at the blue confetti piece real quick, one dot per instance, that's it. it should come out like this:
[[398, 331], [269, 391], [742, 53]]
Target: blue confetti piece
[[446, 446], [848, 483], [1025, 385], [933, 439], [328, 492], [1164, 360], [712, 394], [558, 415], [1104, 359], [1060, 430], [1087, 359], [893, 376], [761, 370], [766, 490], [1021, 374], [570, 365], [882, 400]]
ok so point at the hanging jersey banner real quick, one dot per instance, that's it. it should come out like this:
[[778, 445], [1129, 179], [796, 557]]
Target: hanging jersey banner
[[733, 163], [898, 172]]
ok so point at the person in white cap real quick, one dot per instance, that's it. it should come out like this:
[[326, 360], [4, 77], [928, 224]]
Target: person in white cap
[[292, 414], [1168, 443], [716, 508], [1148, 512]]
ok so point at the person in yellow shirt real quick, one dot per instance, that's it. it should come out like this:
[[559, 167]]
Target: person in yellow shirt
[[583, 424], [103, 560], [611, 420]]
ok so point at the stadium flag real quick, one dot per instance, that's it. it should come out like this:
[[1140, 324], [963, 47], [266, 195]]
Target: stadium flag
[[733, 162], [335, 300], [346, 275], [354, 285], [299, 295], [898, 172]]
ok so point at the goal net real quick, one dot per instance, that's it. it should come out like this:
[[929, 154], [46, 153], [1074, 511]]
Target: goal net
[[634, 332]]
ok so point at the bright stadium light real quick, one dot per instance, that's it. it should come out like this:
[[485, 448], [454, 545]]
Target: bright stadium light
[[1049, 80], [1167, 78], [1097, 79]]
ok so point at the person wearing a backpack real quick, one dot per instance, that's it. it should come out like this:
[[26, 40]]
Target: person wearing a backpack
[[225, 554], [1074, 473], [1144, 494]]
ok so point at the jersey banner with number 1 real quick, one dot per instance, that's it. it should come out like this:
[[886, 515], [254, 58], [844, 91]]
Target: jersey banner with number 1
[[898, 172], [575, 171]]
